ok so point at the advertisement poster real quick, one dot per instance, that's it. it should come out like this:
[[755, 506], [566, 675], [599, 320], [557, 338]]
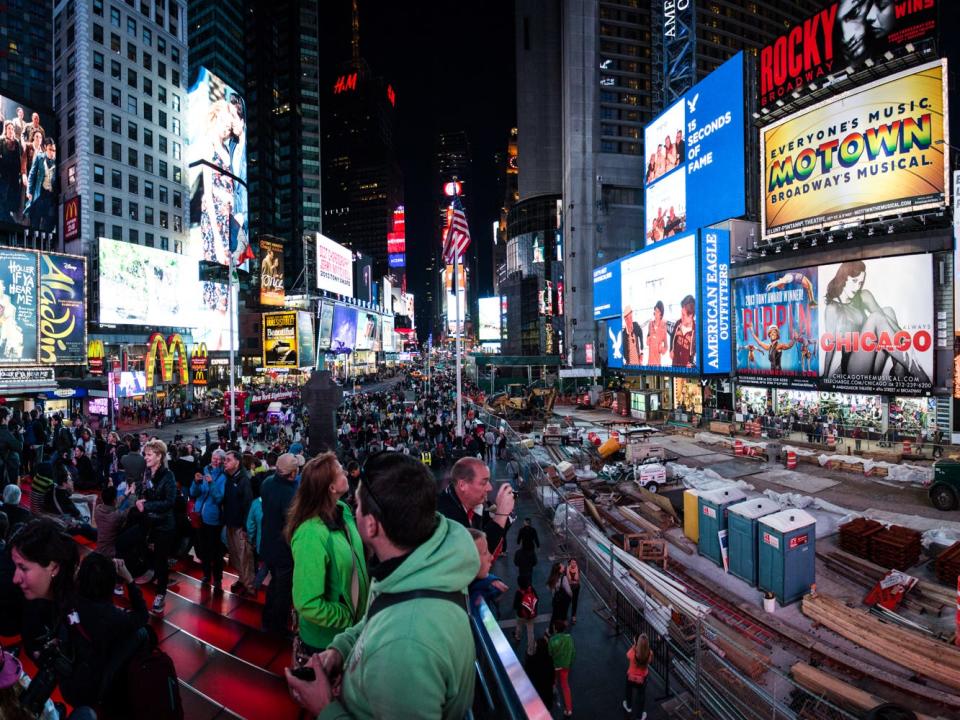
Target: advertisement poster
[[876, 325], [489, 310], [657, 324], [842, 34], [367, 328], [344, 334], [778, 329], [212, 321], [715, 300], [388, 344], [334, 267], [865, 154], [606, 290], [280, 340], [694, 156], [18, 306], [853, 327], [141, 285], [271, 273], [71, 219], [63, 309], [305, 341], [29, 149], [324, 326], [216, 156]]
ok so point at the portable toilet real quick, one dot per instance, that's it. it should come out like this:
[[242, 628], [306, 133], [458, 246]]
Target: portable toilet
[[787, 554], [713, 506], [691, 514], [742, 521]]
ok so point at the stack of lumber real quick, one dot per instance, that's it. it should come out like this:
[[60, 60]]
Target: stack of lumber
[[836, 690], [855, 535], [948, 565], [921, 654], [896, 546]]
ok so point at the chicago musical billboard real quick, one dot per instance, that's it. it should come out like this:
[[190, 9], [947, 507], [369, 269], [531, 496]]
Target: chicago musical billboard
[[843, 34], [865, 154], [861, 326]]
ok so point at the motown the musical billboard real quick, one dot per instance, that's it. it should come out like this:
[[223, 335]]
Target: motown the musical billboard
[[869, 153]]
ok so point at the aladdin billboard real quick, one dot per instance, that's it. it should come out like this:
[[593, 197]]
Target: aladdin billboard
[[843, 34], [861, 326], [63, 309], [865, 154]]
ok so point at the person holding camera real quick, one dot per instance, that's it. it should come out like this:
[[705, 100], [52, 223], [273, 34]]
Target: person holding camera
[[464, 501]]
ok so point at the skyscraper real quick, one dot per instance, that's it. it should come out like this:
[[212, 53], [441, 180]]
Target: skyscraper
[[215, 36], [283, 101], [26, 67], [120, 98]]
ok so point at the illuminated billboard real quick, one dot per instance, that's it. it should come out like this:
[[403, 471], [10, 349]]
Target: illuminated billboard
[[842, 34], [306, 347], [344, 334], [29, 177], [280, 340], [657, 324], [216, 153], [18, 306], [868, 153], [211, 324], [489, 311], [861, 326], [694, 166], [63, 309], [324, 325], [271, 273], [334, 267], [388, 342]]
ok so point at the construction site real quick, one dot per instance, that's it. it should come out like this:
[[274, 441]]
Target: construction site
[[775, 580]]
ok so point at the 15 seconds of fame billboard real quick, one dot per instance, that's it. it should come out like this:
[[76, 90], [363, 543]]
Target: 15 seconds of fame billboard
[[694, 157]]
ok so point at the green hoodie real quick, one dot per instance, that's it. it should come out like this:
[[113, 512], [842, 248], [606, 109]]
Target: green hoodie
[[415, 659], [321, 588]]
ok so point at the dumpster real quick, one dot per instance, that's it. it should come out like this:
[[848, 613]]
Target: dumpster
[[742, 520], [787, 554], [713, 520]]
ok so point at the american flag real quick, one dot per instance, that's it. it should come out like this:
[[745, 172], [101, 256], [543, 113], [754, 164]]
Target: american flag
[[457, 238]]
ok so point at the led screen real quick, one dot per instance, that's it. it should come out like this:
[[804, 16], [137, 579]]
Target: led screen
[[217, 170], [344, 333], [657, 324], [861, 326], [489, 309], [18, 306], [212, 323], [325, 326], [694, 167], [865, 154], [29, 177], [334, 267], [63, 309], [306, 347], [271, 273], [280, 340]]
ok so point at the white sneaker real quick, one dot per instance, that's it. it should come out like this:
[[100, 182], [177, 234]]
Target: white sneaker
[[158, 603], [643, 717], [626, 707]]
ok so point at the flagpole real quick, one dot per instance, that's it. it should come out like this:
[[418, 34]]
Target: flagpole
[[230, 309], [458, 330]]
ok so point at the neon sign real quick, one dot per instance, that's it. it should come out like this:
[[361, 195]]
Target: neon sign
[[165, 350], [345, 83], [391, 95]]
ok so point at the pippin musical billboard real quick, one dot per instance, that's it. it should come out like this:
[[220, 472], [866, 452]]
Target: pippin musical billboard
[[869, 153]]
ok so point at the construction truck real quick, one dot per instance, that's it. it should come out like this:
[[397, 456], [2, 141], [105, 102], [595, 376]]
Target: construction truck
[[522, 401]]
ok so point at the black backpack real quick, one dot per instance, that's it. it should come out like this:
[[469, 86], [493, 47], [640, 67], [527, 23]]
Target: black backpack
[[151, 679]]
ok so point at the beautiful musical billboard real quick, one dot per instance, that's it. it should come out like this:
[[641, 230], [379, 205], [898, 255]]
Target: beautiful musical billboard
[[657, 324], [868, 153], [694, 156], [271, 273], [280, 339], [18, 306], [29, 176], [861, 326], [843, 34], [63, 309], [216, 156]]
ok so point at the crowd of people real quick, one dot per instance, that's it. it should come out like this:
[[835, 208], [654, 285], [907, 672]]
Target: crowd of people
[[370, 564]]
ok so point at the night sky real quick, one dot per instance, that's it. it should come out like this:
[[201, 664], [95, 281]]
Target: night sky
[[452, 65]]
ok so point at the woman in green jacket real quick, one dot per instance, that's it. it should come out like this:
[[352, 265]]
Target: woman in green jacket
[[330, 580]]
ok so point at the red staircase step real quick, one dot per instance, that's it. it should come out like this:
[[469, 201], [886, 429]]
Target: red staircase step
[[254, 693]]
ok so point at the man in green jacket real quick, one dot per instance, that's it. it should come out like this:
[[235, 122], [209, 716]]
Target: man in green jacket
[[409, 657]]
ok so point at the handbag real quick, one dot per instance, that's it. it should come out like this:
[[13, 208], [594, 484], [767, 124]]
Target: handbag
[[196, 520]]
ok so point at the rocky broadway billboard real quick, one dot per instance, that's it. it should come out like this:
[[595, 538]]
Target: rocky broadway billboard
[[842, 34], [866, 154], [861, 326]]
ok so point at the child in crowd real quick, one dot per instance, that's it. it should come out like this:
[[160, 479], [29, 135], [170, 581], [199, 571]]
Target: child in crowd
[[562, 652]]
